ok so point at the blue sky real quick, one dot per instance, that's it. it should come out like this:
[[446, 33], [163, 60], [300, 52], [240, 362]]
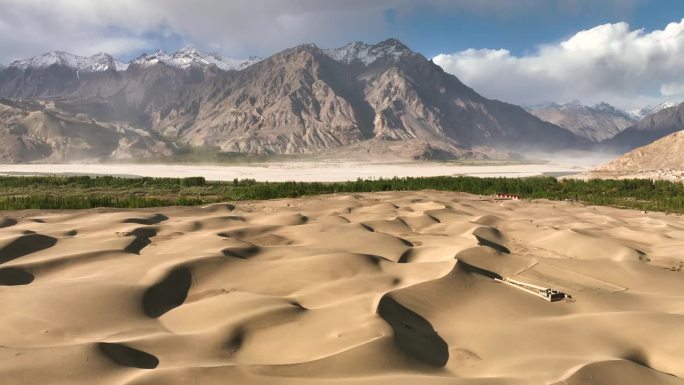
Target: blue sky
[[434, 31], [505, 49]]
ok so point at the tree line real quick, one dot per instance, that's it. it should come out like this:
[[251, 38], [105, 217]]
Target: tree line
[[79, 192]]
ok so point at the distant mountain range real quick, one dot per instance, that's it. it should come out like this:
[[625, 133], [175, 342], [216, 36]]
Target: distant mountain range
[[652, 127], [360, 101], [190, 57], [96, 63], [650, 110], [596, 123], [370, 98]]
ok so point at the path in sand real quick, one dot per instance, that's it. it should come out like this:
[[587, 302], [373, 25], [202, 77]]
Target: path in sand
[[388, 288]]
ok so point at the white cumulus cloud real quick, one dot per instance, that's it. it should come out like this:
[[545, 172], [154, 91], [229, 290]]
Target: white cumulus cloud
[[610, 62], [234, 27]]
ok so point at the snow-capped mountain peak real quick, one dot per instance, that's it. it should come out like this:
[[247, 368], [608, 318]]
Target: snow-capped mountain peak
[[96, 63], [641, 113], [190, 57], [367, 53]]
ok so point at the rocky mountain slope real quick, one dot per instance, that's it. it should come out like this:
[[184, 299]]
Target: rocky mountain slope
[[596, 123], [666, 153], [37, 131], [649, 129], [302, 100]]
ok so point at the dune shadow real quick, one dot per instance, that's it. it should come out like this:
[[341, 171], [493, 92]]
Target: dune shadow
[[490, 237], [24, 245], [7, 222], [168, 293], [153, 220], [638, 356], [142, 239], [498, 247], [413, 334], [406, 256], [11, 276], [136, 245], [241, 252], [126, 356], [478, 270]]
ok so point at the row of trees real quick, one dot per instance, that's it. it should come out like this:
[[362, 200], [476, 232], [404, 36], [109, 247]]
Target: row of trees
[[75, 192]]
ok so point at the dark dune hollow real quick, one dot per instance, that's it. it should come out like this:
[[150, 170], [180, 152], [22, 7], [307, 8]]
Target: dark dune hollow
[[491, 237], [168, 293], [153, 220], [493, 245], [478, 270], [24, 245], [406, 256], [14, 277], [7, 222], [236, 340], [240, 252], [144, 232], [136, 245], [127, 356], [142, 239], [413, 334]]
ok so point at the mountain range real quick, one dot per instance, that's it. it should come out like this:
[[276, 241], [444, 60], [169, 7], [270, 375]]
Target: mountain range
[[596, 123], [649, 129], [643, 112], [360, 98]]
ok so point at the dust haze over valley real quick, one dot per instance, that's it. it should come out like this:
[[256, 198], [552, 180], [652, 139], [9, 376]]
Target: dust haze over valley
[[324, 192]]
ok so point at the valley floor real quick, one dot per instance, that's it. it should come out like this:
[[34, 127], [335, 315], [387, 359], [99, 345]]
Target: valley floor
[[373, 288], [297, 171]]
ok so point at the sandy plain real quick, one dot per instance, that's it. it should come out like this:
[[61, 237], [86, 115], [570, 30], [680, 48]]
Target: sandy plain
[[300, 171], [385, 288]]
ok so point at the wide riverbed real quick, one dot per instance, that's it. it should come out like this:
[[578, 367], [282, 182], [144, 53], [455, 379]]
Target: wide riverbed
[[299, 171]]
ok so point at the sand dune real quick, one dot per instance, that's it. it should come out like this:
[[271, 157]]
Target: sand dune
[[385, 288]]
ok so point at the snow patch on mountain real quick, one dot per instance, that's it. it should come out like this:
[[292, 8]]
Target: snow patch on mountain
[[97, 63], [190, 57], [366, 53], [641, 113]]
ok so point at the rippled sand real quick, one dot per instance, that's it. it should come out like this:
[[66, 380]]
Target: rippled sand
[[387, 288]]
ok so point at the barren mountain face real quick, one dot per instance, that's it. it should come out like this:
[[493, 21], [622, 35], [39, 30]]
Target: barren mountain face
[[34, 131], [664, 154], [301, 100], [596, 123]]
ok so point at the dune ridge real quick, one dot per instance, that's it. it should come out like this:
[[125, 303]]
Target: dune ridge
[[384, 288]]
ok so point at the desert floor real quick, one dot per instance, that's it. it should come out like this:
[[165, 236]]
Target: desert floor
[[386, 288], [302, 171]]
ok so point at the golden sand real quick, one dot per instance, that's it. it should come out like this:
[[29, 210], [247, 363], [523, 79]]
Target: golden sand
[[385, 288]]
